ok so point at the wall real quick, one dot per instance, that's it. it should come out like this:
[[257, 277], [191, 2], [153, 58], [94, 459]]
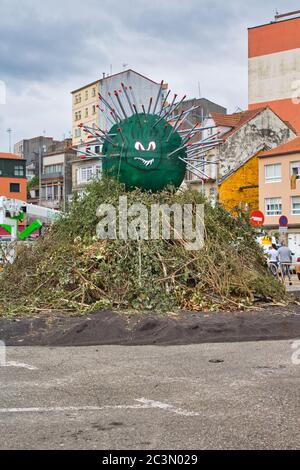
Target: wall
[[5, 188], [265, 130], [88, 103], [76, 165], [241, 188], [143, 90], [274, 68], [282, 189]]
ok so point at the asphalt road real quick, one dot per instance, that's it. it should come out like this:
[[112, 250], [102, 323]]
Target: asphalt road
[[177, 397]]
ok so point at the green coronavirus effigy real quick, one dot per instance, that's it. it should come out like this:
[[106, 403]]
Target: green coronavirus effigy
[[144, 151]]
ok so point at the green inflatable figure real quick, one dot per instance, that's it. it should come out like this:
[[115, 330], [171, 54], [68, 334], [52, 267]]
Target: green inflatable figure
[[144, 151]]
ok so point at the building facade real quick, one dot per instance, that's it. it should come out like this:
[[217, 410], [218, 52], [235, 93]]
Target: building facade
[[274, 67], [279, 189], [243, 136], [86, 109], [204, 108], [13, 183], [239, 189], [56, 181], [85, 100], [83, 172], [33, 149]]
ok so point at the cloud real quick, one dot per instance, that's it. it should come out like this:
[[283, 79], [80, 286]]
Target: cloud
[[49, 48]]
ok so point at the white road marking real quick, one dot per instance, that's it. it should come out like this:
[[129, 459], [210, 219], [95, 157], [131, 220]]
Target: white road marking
[[18, 364], [144, 405], [167, 407]]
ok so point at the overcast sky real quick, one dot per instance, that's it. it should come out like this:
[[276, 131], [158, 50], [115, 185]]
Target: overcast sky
[[48, 48]]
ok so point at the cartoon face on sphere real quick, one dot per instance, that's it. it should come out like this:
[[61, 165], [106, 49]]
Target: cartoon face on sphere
[[141, 153]]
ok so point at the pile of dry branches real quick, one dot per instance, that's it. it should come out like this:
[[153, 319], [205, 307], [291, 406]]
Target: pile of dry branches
[[71, 270]]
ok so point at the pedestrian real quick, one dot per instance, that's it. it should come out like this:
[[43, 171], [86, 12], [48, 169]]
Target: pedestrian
[[285, 259], [273, 254]]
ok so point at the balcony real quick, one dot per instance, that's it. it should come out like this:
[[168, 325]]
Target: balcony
[[57, 175]]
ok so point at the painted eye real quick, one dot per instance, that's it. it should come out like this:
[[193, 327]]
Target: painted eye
[[139, 146], [152, 146]]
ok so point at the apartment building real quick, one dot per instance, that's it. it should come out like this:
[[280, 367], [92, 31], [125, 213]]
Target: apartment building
[[33, 149], [56, 181], [274, 67], [85, 101], [83, 172], [13, 176], [231, 171], [279, 189]]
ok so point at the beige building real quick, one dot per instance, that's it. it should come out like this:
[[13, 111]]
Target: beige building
[[56, 182], [83, 172], [279, 189], [86, 99], [243, 135], [85, 110], [279, 184]]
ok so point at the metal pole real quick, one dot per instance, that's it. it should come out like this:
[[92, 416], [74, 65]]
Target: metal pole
[[9, 131], [40, 176]]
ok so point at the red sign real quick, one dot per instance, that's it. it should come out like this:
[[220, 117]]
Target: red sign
[[257, 218]]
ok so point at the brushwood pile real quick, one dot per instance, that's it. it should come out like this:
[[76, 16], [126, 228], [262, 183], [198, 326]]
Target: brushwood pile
[[71, 270]]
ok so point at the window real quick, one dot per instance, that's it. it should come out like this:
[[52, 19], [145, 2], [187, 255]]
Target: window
[[14, 187], [273, 173], [295, 169], [85, 174], [273, 206], [78, 116], [19, 170], [77, 99], [53, 169], [94, 92], [296, 205], [78, 132], [86, 95], [86, 112], [97, 149], [94, 109]]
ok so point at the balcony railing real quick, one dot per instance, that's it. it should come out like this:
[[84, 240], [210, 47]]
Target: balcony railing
[[59, 174]]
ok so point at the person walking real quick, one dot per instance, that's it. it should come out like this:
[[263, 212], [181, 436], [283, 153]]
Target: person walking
[[273, 254], [285, 259]]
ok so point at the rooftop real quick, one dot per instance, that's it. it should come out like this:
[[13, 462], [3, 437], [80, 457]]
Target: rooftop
[[293, 146], [235, 121], [13, 156], [110, 76]]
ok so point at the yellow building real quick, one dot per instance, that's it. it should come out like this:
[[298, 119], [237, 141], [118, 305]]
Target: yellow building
[[239, 188]]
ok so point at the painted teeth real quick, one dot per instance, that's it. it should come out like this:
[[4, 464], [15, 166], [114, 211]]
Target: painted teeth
[[145, 162]]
